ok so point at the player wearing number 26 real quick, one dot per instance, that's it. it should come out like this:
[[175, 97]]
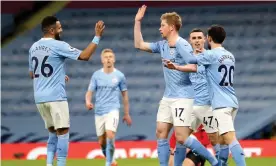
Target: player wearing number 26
[[46, 67], [220, 66]]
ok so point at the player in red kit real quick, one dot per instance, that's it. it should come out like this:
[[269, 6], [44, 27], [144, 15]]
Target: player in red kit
[[192, 159]]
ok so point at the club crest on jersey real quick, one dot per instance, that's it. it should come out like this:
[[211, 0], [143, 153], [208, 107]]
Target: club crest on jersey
[[172, 51], [114, 80]]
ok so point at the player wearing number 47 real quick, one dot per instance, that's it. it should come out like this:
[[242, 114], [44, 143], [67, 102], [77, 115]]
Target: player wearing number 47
[[46, 68], [220, 65]]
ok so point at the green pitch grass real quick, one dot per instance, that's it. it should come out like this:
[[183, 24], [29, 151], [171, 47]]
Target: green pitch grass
[[129, 162]]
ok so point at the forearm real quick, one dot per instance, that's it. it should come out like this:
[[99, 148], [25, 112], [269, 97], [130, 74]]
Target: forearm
[[126, 105], [88, 96], [187, 68], [138, 38], [89, 50]]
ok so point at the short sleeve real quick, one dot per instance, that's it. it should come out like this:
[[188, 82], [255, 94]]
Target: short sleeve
[[205, 58], [65, 50], [155, 47], [93, 83], [122, 84], [186, 51]]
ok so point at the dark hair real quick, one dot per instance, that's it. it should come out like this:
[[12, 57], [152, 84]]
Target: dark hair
[[47, 22], [217, 33], [197, 30]]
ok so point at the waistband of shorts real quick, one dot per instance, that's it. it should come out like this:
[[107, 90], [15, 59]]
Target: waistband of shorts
[[175, 99]]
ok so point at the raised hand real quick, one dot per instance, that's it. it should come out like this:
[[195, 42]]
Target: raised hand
[[141, 12], [99, 28]]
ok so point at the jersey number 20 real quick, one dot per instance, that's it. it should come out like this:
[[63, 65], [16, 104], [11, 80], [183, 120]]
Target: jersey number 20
[[228, 73], [43, 66]]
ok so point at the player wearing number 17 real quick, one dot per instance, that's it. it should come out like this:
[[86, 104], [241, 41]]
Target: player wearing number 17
[[177, 103], [220, 65], [46, 68]]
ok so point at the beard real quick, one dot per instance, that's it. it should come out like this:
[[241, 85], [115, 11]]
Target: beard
[[57, 36]]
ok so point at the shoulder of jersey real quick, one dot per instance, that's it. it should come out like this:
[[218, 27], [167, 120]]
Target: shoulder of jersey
[[58, 43], [209, 51], [33, 45], [95, 73], [61, 42], [183, 41], [98, 71], [119, 72], [162, 42]]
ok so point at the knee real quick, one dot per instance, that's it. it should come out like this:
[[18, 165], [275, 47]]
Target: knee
[[180, 139], [102, 141], [214, 138], [228, 138], [52, 129], [181, 134], [62, 131], [110, 134], [160, 133]]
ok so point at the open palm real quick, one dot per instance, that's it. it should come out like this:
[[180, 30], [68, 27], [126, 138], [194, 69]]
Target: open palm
[[140, 14]]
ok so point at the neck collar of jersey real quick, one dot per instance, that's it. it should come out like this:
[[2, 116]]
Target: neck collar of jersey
[[178, 38], [111, 72], [221, 48], [46, 38]]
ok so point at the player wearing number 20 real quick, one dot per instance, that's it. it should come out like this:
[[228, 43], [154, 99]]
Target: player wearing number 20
[[46, 68], [220, 65]]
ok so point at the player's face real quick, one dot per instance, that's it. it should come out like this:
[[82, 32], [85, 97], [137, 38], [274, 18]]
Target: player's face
[[108, 59], [165, 29], [58, 31], [197, 40]]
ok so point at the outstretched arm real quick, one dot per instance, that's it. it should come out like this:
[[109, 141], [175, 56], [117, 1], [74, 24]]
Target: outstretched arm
[[91, 48], [138, 38], [185, 68]]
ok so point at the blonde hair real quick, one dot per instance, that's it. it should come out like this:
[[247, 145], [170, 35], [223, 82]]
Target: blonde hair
[[107, 50], [172, 19]]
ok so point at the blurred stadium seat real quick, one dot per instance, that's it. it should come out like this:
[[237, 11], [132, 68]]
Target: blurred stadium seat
[[250, 36]]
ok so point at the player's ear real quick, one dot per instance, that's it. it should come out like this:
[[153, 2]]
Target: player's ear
[[209, 39], [51, 30], [204, 38], [172, 27]]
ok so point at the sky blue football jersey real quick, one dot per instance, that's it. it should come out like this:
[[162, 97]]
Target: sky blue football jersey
[[177, 83], [108, 88], [46, 61], [220, 67]]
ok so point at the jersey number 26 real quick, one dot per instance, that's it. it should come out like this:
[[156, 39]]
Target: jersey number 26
[[44, 65]]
